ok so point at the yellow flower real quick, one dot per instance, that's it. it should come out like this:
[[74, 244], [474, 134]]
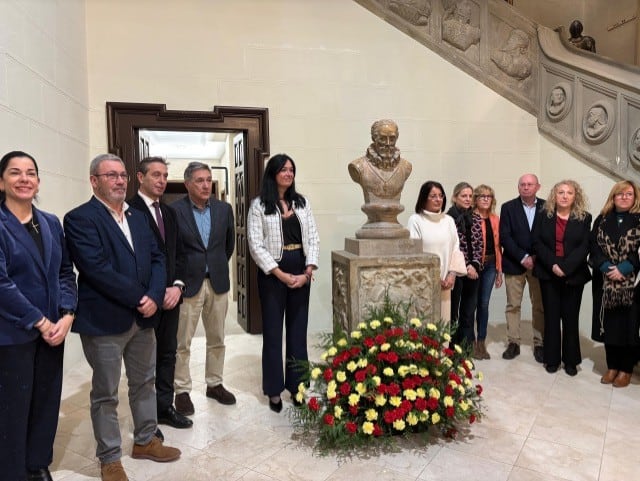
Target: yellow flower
[[437, 373], [412, 419], [373, 349], [360, 388], [447, 362], [467, 382], [461, 370], [299, 397], [302, 388], [367, 427], [315, 373], [395, 401], [410, 394], [362, 362], [413, 369], [337, 412], [385, 347], [400, 343], [432, 327], [351, 366], [341, 376], [452, 383], [375, 324], [354, 399], [371, 414], [380, 400], [399, 425], [421, 393], [331, 389], [388, 320], [448, 401], [376, 380], [387, 371], [433, 353], [446, 337], [332, 351], [415, 322], [362, 325], [324, 356], [423, 372], [424, 416], [458, 349], [403, 371], [433, 392], [341, 342], [461, 389], [435, 418], [469, 364], [480, 376], [356, 335], [463, 405]]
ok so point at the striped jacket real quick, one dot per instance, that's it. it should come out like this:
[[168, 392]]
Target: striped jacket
[[264, 233]]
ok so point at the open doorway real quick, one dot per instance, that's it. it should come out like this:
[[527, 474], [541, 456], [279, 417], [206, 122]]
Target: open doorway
[[249, 130]]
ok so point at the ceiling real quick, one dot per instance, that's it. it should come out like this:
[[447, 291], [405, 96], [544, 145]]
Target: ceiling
[[210, 146]]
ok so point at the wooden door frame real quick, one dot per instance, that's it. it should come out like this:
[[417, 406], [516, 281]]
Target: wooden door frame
[[125, 119]]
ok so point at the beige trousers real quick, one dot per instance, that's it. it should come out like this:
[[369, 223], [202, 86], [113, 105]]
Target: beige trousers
[[514, 285], [213, 308]]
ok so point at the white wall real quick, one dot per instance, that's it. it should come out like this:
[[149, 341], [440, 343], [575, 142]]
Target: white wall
[[44, 100], [326, 69]]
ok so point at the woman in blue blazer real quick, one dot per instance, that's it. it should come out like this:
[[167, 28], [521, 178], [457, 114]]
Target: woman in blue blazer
[[36, 311], [561, 246]]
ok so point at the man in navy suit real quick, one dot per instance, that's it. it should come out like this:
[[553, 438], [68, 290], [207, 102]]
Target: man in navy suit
[[516, 224], [152, 173], [121, 285], [206, 238]]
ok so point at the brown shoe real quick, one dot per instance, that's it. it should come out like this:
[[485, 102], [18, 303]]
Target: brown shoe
[[183, 404], [220, 394], [113, 472], [477, 351], [609, 376], [622, 379], [483, 349], [155, 451]]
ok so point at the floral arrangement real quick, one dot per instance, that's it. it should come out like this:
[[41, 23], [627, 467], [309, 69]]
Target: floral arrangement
[[391, 376]]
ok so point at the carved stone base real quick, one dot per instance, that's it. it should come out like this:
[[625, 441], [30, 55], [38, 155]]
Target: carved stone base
[[360, 282]]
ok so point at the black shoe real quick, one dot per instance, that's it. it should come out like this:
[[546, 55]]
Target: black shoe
[[183, 404], [159, 434], [538, 354], [275, 407], [39, 475], [551, 369], [173, 418], [570, 370], [512, 351], [220, 394]]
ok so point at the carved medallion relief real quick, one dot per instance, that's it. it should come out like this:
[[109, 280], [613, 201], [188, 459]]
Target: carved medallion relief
[[559, 101], [598, 121]]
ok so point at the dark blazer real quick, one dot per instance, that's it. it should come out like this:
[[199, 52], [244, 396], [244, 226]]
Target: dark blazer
[[113, 277], [575, 244], [515, 236], [32, 286], [193, 256], [168, 246]]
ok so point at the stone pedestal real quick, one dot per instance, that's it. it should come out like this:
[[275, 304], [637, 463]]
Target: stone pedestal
[[368, 268]]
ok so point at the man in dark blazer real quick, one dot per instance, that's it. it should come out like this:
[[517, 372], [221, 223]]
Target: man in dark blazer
[[121, 285], [152, 173], [206, 238], [516, 225]]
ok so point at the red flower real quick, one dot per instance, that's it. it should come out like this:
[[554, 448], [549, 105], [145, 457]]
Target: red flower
[[361, 375], [413, 334], [472, 419], [382, 389], [421, 404], [313, 404], [380, 339], [328, 419], [351, 427], [393, 389], [328, 374], [448, 390], [345, 388], [353, 410], [371, 369], [432, 403], [450, 412], [369, 342], [392, 357], [355, 350], [377, 430], [478, 389]]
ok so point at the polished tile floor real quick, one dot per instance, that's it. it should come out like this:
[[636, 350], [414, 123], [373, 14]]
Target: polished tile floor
[[537, 427]]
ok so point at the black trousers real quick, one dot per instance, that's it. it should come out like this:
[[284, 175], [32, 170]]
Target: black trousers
[[30, 390], [279, 303], [464, 299], [166, 345], [561, 303], [621, 358]]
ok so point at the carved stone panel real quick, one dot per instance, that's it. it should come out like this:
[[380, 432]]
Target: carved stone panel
[[461, 27]]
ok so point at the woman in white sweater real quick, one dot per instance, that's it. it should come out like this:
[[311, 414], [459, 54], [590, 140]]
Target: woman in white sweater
[[439, 236]]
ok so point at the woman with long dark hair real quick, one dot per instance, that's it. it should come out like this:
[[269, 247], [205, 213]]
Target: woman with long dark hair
[[37, 307], [614, 244], [284, 243]]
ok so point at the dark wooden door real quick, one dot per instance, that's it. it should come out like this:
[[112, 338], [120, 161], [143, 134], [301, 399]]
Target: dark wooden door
[[124, 120]]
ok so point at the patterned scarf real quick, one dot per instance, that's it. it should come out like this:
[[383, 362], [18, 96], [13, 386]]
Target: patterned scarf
[[618, 293]]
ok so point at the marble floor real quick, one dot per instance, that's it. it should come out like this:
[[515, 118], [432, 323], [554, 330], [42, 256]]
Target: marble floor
[[537, 427]]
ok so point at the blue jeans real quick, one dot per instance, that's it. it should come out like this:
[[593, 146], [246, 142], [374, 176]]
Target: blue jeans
[[487, 280]]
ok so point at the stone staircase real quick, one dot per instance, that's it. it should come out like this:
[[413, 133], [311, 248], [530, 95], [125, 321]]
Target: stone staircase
[[587, 103]]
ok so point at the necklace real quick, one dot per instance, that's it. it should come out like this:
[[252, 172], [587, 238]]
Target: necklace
[[34, 225]]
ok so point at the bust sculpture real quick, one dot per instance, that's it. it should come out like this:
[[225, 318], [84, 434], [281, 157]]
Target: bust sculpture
[[381, 173], [513, 57], [580, 41]]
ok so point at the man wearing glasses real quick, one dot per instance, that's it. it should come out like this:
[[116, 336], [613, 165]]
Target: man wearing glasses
[[516, 223], [121, 286]]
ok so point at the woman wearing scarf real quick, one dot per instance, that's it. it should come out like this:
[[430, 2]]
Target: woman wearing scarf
[[614, 244]]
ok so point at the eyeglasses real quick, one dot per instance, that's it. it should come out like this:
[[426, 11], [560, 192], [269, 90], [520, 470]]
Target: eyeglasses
[[624, 195], [485, 197], [114, 176]]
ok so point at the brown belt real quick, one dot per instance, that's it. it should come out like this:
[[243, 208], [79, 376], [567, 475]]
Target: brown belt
[[490, 258], [292, 247]]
